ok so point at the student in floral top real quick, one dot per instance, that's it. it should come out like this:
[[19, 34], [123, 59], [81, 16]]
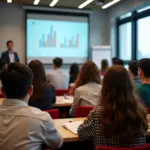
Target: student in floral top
[[120, 119]]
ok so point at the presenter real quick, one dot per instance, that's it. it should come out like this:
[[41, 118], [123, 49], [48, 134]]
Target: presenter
[[10, 56]]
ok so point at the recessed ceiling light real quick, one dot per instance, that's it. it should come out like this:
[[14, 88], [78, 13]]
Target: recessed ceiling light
[[110, 4], [53, 3], [85, 4], [36, 2], [9, 1]]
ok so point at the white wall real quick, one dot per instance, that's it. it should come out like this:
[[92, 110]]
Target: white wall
[[12, 27], [124, 7]]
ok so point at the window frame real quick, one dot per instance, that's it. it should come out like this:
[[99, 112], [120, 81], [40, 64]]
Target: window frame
[[133, 19]]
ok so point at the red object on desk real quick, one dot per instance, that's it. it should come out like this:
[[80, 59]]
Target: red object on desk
[[148, 110], [54, 113], [83, 111], [61, 92], [144, 147]]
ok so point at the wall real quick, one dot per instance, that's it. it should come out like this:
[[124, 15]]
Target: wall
[[12, 26], [123, 7]]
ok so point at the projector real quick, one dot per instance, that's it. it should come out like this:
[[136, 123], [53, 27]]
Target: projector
[[99, 2]]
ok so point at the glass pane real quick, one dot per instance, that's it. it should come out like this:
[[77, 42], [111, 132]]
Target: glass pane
[[143, 39], [129, 14], [125, 36], [143, 9]]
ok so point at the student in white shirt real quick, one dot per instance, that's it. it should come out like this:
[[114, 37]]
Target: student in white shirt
[[58, 78], [88, 87], [23, 127]]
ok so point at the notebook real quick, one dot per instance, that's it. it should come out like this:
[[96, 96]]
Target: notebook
[[72, 126]]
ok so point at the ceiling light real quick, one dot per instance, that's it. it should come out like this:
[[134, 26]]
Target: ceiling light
[[85, 3], [110, 4], [53, 3], [9, 1], [36, 2]]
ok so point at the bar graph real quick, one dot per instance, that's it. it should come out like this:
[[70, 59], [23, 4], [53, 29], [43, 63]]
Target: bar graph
[[48, 40], [70, 42]]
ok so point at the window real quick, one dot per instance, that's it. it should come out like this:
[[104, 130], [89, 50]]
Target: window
[[143, 37], [143, 9], [125, 41], [125, 15]]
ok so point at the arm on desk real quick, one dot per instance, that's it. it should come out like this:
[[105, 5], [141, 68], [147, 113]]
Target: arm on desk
[[52, 137]]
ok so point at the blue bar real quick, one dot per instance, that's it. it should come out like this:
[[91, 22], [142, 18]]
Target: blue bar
[[43, 40], [72, 42], [51, 36], [65, 42]]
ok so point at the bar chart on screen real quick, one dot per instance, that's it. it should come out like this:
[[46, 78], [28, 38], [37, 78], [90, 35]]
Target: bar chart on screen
[[49, 39]]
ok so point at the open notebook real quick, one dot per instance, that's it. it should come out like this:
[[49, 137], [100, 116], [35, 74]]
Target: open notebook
[[72, 126]]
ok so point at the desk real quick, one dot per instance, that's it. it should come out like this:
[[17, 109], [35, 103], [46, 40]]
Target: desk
[[1, 100], [67, 135], [62, 102]]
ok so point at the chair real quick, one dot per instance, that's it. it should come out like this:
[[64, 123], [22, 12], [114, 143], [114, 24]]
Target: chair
[[144, 147], [83, 111], [54, 113], [61, 92], [148, 110]]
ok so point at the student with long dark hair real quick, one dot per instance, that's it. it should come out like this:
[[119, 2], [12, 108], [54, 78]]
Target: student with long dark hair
[[120, 119], [43, 93]]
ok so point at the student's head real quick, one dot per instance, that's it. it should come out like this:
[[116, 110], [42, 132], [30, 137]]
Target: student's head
[[117, 61], [144, 69], [89, 73], [122, 110], [74, 69], [17, 81], [104, 64], [10, 45], [133, 68], [57, 63], [39, 75], [2, 64]]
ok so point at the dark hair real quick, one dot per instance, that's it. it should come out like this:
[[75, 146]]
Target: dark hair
[[39, 75], [58, 62], [133, 66], [2, 64], [104, 65], [123, 114], [10, 41], [117, 61], [74, 70], [89, 73], [145, 67], [16, 80]]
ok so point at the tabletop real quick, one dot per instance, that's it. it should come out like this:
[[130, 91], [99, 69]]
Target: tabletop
[[67, 135]]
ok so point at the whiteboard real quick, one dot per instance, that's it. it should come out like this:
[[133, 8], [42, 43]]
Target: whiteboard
[[101, 52]]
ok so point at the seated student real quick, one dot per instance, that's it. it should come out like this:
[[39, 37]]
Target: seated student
[[44, 93], [74, 71], [23, 127], [133, 71], [144, 74], [58, 78], [88, 87], [117, 61], [120, 119], [104, 66]]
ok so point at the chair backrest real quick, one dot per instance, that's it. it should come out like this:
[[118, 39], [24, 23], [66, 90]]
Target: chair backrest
[[83, 111], [144, 147], [61, 92], [54, 113], [148, 110]]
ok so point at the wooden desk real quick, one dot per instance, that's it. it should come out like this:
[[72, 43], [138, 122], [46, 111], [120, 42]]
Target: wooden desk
[[1, 100], [67, 135], [62, 102]]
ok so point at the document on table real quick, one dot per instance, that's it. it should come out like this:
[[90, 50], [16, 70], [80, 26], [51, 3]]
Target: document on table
[[72, 126], [62, 99]]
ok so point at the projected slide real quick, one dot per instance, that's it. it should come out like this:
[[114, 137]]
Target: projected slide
[[47, 39]]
